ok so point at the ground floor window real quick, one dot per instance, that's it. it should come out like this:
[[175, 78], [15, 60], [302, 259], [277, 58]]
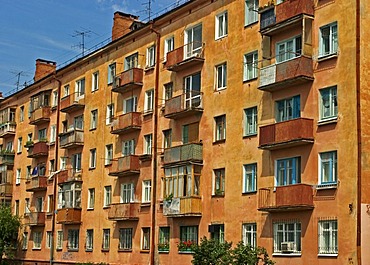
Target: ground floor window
[[188, 237], [328, 237], [73, 239], [125, 239], [287, 237], [164, 239]]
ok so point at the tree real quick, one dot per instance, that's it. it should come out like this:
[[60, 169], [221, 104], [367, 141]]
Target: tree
[[247, 255], [9, 227]]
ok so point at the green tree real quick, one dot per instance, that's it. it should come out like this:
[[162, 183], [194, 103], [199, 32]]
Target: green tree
[[9, 227], [211, 252], [247, 255]]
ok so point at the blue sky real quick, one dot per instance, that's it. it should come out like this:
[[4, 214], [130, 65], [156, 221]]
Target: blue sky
[[32, 29]]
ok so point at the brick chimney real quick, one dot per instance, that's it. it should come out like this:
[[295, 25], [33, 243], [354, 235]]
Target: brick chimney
[[122, 24], [43, 68]]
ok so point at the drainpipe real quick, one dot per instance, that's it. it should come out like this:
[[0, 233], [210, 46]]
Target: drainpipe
[[359, 128], [52, 246], [153, 251]]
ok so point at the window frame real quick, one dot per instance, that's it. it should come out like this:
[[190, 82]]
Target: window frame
[[332, 40], [106, 239], [127, 193], [37, 239], [250, 234], [332, 94], [145, 238], [148, 143], [94, 119], [295, 170], [107, 196], [91, 198], [221, 76], [329, 247], [150, 56], [218, 182], [250, 121], [125, 238], [149, 101], [288, 109], [95, 81], [297, 232], [287, 54], [73, 239], [169, 45], [250, 69], [92, 160], [221, 25], [220, 128], [164, 239], [108, 154], [250, 178], [251, 14], [109, 114], [333, 167], [59, 243], [146, 191], [89, 244], [111, 73]]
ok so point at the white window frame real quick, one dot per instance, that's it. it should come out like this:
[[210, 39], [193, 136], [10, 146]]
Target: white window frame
[[250, 178], [250, 121], [21, 114], [125, 239], [80, 88], [95, 81], [53, 133], [37, 239], [221, 76], [27, 206], [128, 147], [329, 229], [133, 105], [331, 103], [149, 101], [50, 203], [55, 99], [89, 246], [150, 56], [145, 238], [19, 145], [329, 158], [169, 45], [219, 182], [148, 142], [63, 163], [283, 228], [91, 198], [106, 239], [110, 114], [107, 196], [332, 40], [92, 161], [167, 138], [24, 240], [18, 176], [59, 244], [193, 47], [221, 25], [146, 191], [287, 49], [131, 61], [251, 12], [250, 234], [108, 154], [127, 194], [48, 239], [66, 90], [220, 128], [73, 239], [250, 70], [111, 73], [94, 119]]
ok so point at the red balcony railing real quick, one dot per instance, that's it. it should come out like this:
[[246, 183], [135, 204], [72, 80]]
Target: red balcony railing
[[72, 103], [124, 166], [37, 183], [126, 123], [7, 129], [295, 197], [187, 104], [68, 175], [34, 218], [287, 133], [71, 139], [130, 79], [40, 115], [38, 149], [124, 211], [186, 206], [69, 216], [184, 153], [186, 56]]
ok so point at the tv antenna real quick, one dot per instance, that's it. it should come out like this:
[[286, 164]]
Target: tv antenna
[[82, 34], [148, 8], [18, 74]]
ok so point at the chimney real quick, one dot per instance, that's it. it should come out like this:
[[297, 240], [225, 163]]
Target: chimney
[[43, 68], [122, 24]]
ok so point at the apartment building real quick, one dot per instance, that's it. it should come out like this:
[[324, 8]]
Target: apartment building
[[235, 120]]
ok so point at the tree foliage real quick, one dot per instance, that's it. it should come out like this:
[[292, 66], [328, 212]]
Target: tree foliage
[[212, 252], [9, 227]]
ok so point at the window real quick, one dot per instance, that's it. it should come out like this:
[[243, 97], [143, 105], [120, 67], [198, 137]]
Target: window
[[168, 91], [150, 56], [167, 138], [193, 96], [328, 39], [94, 119], [288, 171], [48, 239], [288, 109], [164, 239], [193, 41], [91, 198], [18, 177], [93, 158], [182, 181], [28, 173], [131, 61], [19, 145], [89, 240], [39, 203], [50, 205], [37, 238], [25, 240], [250, 119], [107, 195], [128, 147], [42, 135], [110, 114], [125, 239], [59, 239], [288, 49], [66, 90], [287, 237], [221, 76], [127, 193], [55, 99], [73, 239], [76, 162], [328, 237], [328, 103], [108, 154], [21, 114], [145, 239], [251, 11], [220, 128], [169, 45], [219, 183], [149, 101], [146, 196], [27, 205], [78, 122], [53, 133], [250, 178], [111, 73], [63, 163], [221, 25], [217, 232], [130, 105], [250, 234], [328, 168], [69, 195], [80, 88], [106, 239], [250, 66], [16, 206], [95, 82], [148, 144], [188, 234]]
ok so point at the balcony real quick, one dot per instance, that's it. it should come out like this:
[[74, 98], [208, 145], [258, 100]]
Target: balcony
[[37, 183], [126, 123], [179, 207], [184, 57], [71, 139], [286, 74], [7, 129], [125, 166], [130, 79], [68, 175], [40, 115], [7, 158], [187, 104], [286, 134], [6, 190], [38, 149], [72, 103], [184, 154], [34, 218], [124, 211], [69, 216], [297, 197], [284, 15]]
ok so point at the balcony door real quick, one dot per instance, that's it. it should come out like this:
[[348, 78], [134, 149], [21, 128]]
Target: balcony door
[[193, 41], [192, 91]]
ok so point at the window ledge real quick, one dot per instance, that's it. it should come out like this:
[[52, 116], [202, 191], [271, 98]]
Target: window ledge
[[145, 204], [106, 207], [124, 250], [219, 141], [286, 254], [221, 37], [327, 57], [327, 121], [147, 112], [328, 255], [149, 68], [163, 251], [90, 209], [186, 252], [249, 135], [218, 195], [92, 168], [219, 89], [92, 129], [145, 251], [108, 165], [327, 186], [36, 249], [72, 250], [54, 107], [251, 24], [105, 250], [88, 250], [250, 79], [249, 192], [51, 143]]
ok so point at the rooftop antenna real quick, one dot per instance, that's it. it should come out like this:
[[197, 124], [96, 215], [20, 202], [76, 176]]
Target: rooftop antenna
[[81, 45], [18, 74], [148, 8]]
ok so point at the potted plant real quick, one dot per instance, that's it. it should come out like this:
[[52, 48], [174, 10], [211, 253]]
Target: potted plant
[[29, 143], [163, 246], [186, 246]]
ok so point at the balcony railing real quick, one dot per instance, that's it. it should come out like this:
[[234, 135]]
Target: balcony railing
[[286, 134], [285, 14], [37, 183], [34, 218], [125, 166], [6, 190], [297, 197], [186, 56], [68, 175], [40, 115], [72, 103], [186, 104], [286, 74], [7, 158], [183, 154], [7, 129], [179, 207], [69, 216], [71, 139], [124, 211], [38, 149], [130, 79], [126, 123]]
